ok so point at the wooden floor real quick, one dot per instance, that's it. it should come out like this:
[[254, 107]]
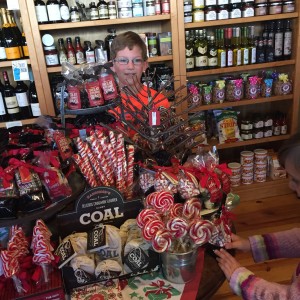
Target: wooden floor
[[257, 214]]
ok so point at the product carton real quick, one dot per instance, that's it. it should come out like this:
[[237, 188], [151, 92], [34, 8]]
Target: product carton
[[95, 207], [165, 43], [276, 171]]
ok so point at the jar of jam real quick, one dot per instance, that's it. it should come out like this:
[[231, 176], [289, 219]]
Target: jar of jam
[[210, 13], [235, 11], [246, 135], [261, 9], [246, 125], [258, 133], [51, 56], [248, 10], [198, 15], [223, 12], [198, 4], [187, 6], [268, 131], [275, 8], [268, 121], [188, 17], [258, 121], [288, 6]]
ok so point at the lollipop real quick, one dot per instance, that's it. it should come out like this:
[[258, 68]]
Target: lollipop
[[163, 201], [151, 227], [176, 210], [149, 199], [146, 215], [162, 241], [192, 208], [201, 231], [178, 227]]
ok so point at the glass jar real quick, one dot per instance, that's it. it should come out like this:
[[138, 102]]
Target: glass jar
[[223, 12], [235, 11], [248, 10], [74, 14], [246, 135], [246, 125], [210, 13], [261, 9], [51, 56], [165, 7], [258, 133], [198, 15], [268, 131], [188, 17], [187, 6], [275, 8], [234, 90], [288, 6]]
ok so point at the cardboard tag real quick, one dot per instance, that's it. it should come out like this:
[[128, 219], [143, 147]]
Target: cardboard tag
[[136, 259], [20, 70], [66, 252], [96, 239], [154, 117]]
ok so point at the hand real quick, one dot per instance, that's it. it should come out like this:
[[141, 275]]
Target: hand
[[227, 262], [238, 243]]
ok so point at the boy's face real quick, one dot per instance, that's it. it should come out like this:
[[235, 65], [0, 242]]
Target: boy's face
[[129, 74]]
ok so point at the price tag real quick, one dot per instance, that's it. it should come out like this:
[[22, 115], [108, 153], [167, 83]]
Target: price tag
[[154, 117], [12, 4], [20, 70], [13, 124]]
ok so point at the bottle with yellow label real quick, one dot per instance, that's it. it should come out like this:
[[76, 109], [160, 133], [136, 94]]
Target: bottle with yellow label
[[11, 43]]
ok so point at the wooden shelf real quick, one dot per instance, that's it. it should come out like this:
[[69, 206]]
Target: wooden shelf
[[249, 142], [241, 68], [241, 20], [244, 102], [108, 22], [8, 63], [24, 122]]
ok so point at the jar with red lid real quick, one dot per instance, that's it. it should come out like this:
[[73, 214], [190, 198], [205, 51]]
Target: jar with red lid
[[51, 56], [165, 7]]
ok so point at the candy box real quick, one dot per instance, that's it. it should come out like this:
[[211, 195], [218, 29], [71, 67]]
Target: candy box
[[95, 208], [275, 170]]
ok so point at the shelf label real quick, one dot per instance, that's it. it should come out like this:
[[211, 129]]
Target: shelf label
[[12, 4], [20, 70], [13, 124]]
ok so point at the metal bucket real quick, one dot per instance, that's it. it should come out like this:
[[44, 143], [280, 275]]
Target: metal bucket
[[179, 267]]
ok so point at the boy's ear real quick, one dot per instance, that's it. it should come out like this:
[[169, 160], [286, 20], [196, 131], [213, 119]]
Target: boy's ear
[[145, 66]]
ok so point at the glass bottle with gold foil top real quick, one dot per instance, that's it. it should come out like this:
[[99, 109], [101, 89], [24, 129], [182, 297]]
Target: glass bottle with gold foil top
[[11, 43]]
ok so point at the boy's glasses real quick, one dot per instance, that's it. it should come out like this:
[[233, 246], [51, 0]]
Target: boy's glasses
[[125, 61]]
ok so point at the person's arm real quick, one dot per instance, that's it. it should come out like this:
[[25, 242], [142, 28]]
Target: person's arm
[[244, 283], [284, 244]]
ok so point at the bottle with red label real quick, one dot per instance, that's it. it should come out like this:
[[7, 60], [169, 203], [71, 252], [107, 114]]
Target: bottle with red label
[[70, 51], [108, 85], [283, 124], [79, 52]]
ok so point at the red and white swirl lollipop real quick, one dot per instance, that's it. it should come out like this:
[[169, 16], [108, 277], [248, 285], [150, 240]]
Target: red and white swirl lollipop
[[163, 201], [201, 231], [192, 208], [146, 215], [149, 199], [151, 228], [176, 210], [162, 241], [178, 227]]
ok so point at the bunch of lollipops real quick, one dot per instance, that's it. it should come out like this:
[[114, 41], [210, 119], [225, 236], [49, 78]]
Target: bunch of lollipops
[[173, 227]]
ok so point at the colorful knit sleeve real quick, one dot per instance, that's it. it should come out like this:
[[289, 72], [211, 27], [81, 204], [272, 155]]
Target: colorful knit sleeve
[[284, 244], [244, 283]]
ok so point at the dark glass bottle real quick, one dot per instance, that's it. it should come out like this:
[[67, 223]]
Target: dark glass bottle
[[212, 53], [24, 46], [287, 40], [53, 11], [64, 11], [70, 52], [41, 12], [16, 31], [2, 44], [189, 52], [108, 40], [3, 113], [10, 99], [21, 91], [102, 9], [278, 41], [79, 52], [269, 50], [12, 45], [33, 97], [62, 52], [260, 51], [228, 46], [89, 52]]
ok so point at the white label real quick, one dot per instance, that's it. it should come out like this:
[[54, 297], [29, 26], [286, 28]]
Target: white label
[[64, 12], [253, 55], [210, 16], [2, 53], [90, 56], [2, 108], [210, 2], [11, 102], [35, 108], [287, 46], [51, 59], [53, 12], [41, 13], [190, 63], [201, 61], [13, 4], [20, 70], [22, 99], [278, 44], [223, 59], [13, 124], [245, 56], [229, 58]]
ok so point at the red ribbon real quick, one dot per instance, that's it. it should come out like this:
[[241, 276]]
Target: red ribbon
[[206, 175], [224, 169], [6, 177]]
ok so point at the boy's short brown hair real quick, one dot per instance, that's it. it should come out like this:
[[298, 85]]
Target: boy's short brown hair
[[127, 39]]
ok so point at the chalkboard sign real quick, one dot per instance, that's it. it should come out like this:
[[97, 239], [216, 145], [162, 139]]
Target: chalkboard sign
[[98, 205]]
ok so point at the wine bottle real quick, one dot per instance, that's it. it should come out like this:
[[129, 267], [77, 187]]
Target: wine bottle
[[15, 29], [2, 44], [278, 41], [287, 40], [3, 113], [21, 91], [33, 97], [189, 51], [12, 46], [24, 46], [53, 11], [10, 99], [41, 12], [108, 40]]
